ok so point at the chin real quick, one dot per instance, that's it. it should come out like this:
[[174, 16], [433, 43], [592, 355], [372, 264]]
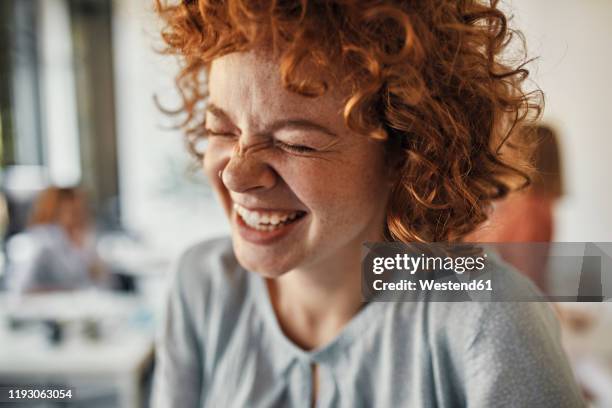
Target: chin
[[266, 262]]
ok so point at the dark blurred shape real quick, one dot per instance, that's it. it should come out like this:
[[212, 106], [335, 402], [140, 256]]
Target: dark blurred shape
[[55, 332], [528, 216], [124, 282], [91, 329], [94, 79], [20, 83]]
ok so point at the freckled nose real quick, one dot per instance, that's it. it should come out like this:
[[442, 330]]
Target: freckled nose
[[245, 173]]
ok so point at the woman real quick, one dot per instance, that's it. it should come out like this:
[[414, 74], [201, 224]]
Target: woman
[[55, 252], [329, 124]]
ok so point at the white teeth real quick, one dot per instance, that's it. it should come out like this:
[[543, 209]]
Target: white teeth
[[264, 221]]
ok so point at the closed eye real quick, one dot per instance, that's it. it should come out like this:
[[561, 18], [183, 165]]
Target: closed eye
[[294, 148], [211, 133]]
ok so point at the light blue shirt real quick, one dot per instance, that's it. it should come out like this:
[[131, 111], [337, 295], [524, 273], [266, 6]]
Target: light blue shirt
[[221, 346]]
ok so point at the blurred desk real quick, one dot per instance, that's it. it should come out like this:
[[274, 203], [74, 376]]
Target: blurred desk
[[119, 356]]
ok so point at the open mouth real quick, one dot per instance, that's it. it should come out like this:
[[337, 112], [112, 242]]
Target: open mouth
[[267, 220]]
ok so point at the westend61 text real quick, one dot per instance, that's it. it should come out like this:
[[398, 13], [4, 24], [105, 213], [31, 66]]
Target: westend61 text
[[427, 284]]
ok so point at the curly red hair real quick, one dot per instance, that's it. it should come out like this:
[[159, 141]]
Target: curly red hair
[[426, 76]]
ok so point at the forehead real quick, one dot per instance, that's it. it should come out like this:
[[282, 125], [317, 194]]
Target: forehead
[[248, 84]]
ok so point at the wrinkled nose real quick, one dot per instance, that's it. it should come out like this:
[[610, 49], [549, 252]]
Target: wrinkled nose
[[246, 171]]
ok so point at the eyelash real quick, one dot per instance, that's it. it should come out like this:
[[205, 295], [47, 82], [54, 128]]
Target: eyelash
[[208, 133], [294, 148], [282, 145]]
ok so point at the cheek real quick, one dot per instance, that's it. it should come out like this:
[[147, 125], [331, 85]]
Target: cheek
[[336, 191], [210, 164], [215, 160]]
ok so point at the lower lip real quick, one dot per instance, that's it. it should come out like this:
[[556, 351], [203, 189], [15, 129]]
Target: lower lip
[[258, 237]]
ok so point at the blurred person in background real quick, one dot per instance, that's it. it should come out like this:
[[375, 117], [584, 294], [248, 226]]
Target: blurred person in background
[[528, 215], [56, 251]]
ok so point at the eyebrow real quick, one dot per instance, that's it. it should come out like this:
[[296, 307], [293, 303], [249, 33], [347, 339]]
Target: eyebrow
[[297, 123]]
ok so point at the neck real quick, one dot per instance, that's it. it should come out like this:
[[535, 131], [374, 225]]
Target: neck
[[314, 303]]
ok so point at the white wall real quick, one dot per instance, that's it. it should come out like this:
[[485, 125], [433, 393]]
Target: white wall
[[161, 200], [574, 42]]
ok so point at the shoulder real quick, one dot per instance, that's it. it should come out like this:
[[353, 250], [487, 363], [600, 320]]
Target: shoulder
[[207, 277], [504, 351], [210, 263], [210, 259], [35, 244], [199, 284], [36, 237], [47, 232], [510, 312]]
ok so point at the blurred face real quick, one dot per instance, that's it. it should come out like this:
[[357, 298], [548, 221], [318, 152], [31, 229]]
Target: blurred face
[[71, 214], [300, 189]]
